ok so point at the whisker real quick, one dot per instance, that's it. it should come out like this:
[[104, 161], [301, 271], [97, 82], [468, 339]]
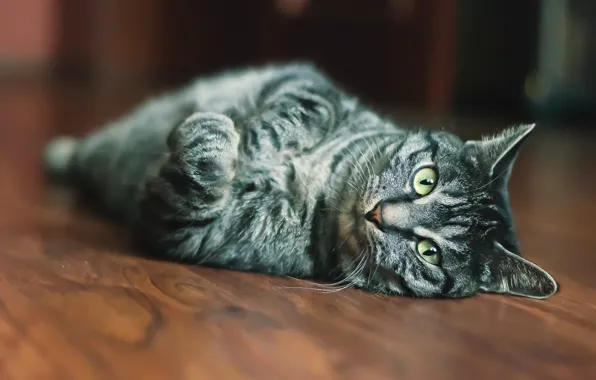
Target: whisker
[[490, 182], [344, 283], [357, 164], [372, 154], [369, 168], [342, 243], [360, 170]]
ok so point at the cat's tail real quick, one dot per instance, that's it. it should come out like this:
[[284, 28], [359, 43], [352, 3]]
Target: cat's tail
[[58, 158]]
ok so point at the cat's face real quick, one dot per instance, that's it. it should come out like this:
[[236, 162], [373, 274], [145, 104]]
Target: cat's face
[[435, 221]]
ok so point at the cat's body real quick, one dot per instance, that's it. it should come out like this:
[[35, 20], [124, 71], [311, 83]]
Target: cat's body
[[277, 170]]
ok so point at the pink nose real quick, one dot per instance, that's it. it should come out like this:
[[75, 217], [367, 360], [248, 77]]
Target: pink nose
[[374, 215], [389, 215]]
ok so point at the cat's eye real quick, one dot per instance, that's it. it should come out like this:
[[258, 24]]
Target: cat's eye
[[429, 251], [425, 181]]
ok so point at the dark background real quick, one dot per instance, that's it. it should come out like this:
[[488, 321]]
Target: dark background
[[438, 57]]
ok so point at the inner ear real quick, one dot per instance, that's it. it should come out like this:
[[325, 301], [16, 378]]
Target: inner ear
[[498, 153], [508, 273]]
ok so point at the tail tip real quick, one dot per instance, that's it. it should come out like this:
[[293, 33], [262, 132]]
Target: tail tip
[[58, 154]]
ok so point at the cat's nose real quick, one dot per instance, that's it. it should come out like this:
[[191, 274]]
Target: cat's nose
[[387, 215], [374, 216]]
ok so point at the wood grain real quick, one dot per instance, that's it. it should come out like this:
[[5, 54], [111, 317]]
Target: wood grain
[[77, 301]]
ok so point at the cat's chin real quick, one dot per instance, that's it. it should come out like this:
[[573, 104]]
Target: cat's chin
[[384, 281], [354, 224]]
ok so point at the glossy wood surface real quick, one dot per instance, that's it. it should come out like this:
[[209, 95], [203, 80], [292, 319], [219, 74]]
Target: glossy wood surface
[[77, 302]]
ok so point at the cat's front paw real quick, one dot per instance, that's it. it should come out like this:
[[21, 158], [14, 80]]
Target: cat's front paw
[[206, 143]]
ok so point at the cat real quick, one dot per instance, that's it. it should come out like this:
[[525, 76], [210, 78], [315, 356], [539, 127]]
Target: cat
[[277, 169]]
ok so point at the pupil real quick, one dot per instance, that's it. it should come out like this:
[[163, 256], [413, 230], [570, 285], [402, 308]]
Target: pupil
[[430, 252], [427, 182]]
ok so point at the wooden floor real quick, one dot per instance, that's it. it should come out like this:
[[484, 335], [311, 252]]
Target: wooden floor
[[76, 302]]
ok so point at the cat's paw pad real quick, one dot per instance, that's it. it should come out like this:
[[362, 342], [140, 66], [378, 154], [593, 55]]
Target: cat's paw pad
[[208, 142]]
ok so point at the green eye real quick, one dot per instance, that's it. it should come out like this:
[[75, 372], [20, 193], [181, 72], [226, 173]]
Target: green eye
[[425, 181], [429, 251]]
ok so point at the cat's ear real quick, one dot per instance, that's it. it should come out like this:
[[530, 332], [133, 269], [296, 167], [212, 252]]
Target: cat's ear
[[508, 273], [498, 153]]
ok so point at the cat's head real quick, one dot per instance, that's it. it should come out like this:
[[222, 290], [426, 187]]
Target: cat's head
[[437, 220]]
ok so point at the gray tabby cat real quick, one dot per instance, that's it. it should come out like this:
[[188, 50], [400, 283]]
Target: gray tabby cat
[[275, 169]]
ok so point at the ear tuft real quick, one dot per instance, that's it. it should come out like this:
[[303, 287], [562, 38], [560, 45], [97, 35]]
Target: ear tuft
[[497, 153]]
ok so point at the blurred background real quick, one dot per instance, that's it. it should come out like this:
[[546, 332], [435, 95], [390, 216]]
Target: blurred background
[[503, 59]]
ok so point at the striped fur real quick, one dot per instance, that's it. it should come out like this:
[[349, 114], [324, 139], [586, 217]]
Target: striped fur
[[273, 169]]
